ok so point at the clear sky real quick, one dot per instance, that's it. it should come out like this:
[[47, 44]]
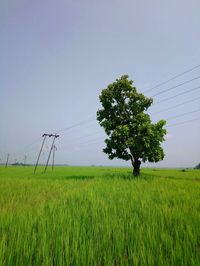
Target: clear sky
[[57, 56]]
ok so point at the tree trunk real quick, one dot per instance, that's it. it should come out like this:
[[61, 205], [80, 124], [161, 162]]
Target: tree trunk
[[136, 165], [136, 168]]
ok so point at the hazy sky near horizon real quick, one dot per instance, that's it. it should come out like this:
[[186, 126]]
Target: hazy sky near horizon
[[57, 56]]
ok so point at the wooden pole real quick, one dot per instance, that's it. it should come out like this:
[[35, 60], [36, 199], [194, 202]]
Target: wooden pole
[[25, 157], [55, 136], [54, 152], [7, 160], [53, 156], [44, 135]]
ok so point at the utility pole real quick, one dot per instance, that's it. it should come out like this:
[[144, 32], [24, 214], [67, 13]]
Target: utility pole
[[54, 150], [25, 157], [55, 136], [44, 136], [7, 160]]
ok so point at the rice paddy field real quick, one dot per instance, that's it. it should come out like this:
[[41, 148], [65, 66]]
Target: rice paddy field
[[99, 216]]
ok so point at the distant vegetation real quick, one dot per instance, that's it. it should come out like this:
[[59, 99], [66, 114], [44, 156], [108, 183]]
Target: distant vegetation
[[18, 164], [197, 166], [99, 216]]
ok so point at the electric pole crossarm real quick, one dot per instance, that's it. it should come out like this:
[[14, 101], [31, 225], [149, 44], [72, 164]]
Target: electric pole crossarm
[[44, 136]]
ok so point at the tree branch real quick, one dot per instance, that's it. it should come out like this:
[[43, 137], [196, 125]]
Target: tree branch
[[132, 158]]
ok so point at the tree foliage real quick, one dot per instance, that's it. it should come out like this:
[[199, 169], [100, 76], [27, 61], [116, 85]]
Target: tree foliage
[[131, 134], [197, 166]]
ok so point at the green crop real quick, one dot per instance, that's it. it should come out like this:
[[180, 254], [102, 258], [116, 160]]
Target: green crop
[[99, 216]]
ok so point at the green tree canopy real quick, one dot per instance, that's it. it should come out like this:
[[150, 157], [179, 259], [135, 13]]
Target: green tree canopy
[[197, 166], [131, 134]]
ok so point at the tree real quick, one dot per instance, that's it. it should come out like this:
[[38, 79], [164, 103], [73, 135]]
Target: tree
[[197, 166], [131, 134]]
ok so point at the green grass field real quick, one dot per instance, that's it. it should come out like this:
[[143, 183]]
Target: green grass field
[[99, 216]]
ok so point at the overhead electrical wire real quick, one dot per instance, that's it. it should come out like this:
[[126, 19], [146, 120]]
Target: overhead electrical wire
[[27, 148], [91, 141], [95, 141], [176, 124], [91, 118], [187, 113], [174, 96], [171, 88], [33, 143], [175, 106], [172, 78], [88, 135], [184, 122], [156, 103], [166, 99]]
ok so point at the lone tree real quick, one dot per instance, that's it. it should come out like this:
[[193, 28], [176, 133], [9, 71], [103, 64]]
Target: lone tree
[[131, 134]]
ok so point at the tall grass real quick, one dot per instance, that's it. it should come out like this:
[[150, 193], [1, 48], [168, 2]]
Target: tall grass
[[99, 216]]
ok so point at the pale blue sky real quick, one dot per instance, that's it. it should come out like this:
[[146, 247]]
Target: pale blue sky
[[57, 56]]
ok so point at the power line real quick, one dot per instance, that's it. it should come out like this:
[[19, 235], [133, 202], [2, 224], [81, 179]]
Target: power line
[[91, 118], [32, 143], [172, 78], [175, 106], [173, 117], [25, 150], [172, 97], [171, 88], [89, 141], [85, 136], [95, 141], [155, 103], [184, 122]]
